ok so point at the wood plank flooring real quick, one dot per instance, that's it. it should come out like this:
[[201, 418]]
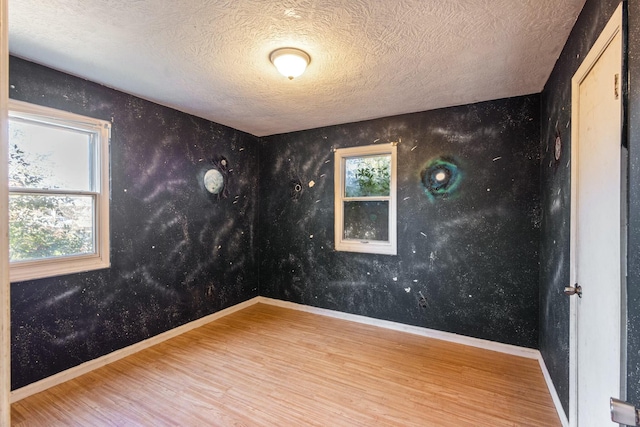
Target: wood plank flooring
[[270, 366]]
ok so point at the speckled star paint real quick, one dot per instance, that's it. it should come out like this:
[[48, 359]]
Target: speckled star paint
[[461, 252], [178, 252]]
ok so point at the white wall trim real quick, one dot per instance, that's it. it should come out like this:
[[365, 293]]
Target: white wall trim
[[91, 365], [552, 390], [5, 286], [528, 353]]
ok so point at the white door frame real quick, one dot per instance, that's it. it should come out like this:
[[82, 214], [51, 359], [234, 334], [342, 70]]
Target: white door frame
[[613, 27], [5, 340]]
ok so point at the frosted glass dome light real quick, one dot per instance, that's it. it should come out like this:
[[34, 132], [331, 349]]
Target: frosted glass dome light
[[290, 62]]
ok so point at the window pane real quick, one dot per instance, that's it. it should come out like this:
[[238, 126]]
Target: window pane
[[51, 157], [366, 220], [44, 226], [367, 176]]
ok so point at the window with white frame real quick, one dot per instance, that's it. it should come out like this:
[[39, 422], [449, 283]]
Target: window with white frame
[[365, 199], [58, 192]]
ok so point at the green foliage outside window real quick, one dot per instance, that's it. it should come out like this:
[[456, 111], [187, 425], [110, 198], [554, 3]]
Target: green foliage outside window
[[368, 176], [43, 225]]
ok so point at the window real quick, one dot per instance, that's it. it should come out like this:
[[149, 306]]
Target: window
[[365, 199], [58, 192]]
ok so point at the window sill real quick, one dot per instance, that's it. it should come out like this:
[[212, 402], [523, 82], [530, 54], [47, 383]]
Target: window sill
[[370, 247], [30, 270]]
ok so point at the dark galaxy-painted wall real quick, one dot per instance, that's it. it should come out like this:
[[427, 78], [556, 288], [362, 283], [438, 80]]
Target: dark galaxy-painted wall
[[555, 179], [177, 252], [472, 253]]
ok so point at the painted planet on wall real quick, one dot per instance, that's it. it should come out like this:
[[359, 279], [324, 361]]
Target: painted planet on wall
[[440, 178], [213, 181]]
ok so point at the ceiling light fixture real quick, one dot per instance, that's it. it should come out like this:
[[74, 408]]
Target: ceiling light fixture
[[290, 62]]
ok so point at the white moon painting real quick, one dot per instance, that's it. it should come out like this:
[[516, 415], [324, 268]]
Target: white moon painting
[[213, 181]]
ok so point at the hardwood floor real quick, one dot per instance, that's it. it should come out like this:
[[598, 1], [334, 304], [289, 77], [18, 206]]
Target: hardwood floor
[[270, 366]]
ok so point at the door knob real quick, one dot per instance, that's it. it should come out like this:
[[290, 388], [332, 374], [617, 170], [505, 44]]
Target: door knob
[[573, 290], [624, 413]]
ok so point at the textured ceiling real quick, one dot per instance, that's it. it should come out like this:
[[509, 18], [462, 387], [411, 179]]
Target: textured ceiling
[[370, 58]]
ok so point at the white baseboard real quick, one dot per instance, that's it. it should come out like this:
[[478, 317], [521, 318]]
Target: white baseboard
[[554, 394], [91, 365], [528, 353]]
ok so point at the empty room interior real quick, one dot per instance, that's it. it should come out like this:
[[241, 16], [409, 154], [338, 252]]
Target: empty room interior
[[389, 236]]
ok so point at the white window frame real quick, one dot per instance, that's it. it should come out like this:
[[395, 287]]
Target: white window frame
[[56, 266], [357, 245]]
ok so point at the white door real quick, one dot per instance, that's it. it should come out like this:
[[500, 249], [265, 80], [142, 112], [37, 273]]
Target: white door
[[596, 224]]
